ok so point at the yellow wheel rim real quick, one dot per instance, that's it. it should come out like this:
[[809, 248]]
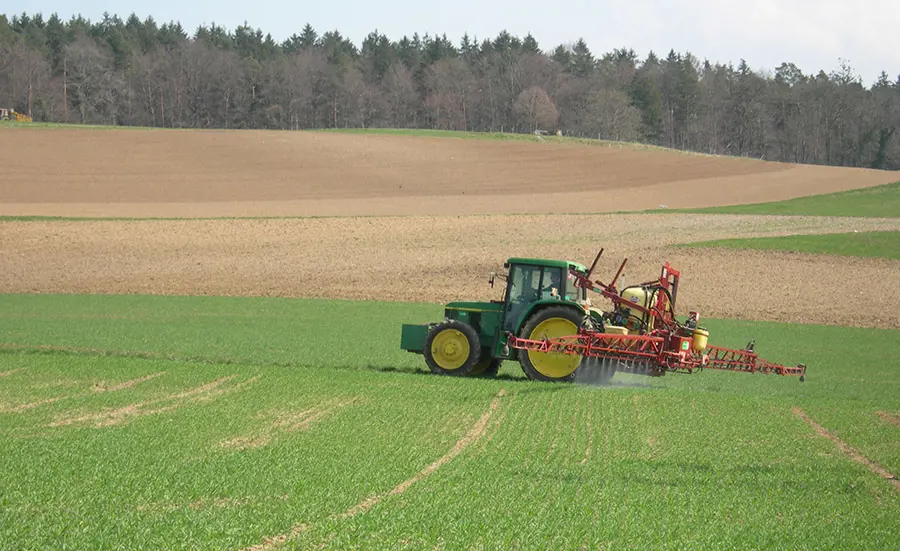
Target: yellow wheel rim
[[450, 349], [553, 364]]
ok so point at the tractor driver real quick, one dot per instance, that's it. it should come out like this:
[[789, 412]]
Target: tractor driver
[[552, 284]]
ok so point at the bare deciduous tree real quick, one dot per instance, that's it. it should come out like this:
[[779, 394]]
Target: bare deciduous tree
[[451, 88], [94, 86], [536, 109], [401, 97]]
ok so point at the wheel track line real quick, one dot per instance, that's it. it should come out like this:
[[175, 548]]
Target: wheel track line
[[95, 390], [208, 503], [888, 418], [494, 427], [274, 542], [119, 415], [114, 353], [848, 450], [10, 372], [83, 350], [25, 407], [475, 433], [263, 436], [295, 422], [131, 383]]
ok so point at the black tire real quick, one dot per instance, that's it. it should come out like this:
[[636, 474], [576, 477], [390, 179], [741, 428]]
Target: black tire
[[452, 359], [568, 314], [487, 366]]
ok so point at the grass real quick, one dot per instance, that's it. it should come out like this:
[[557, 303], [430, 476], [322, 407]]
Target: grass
[[707, 461], [881, 244], [74, 126], [874, 202]]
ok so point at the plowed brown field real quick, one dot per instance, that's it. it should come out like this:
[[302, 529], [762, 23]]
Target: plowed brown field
[[142, 173], [440, 253]]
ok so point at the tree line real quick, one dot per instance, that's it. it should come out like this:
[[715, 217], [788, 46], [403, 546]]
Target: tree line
[[139, 72]]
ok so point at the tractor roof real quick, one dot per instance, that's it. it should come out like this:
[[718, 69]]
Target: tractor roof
[[565, 264]]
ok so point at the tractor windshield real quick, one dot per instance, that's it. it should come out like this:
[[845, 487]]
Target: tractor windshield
[[528, 284]]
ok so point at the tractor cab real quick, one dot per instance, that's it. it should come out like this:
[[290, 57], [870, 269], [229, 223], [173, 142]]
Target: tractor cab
[[531, 282]]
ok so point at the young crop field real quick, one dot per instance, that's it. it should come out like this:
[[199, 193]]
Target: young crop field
[[866, 244], [266, 423], [875, 202]]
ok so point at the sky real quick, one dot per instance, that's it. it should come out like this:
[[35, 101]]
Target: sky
[[813, 34]]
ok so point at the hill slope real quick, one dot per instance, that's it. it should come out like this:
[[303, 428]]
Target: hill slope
[[97, 172]]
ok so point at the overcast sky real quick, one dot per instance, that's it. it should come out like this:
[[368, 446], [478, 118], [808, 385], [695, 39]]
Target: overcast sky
[[814, 34]]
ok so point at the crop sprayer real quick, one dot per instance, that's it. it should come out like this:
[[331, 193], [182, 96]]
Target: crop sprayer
[[547, 322]]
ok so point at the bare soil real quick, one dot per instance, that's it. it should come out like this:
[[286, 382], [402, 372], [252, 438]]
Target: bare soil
[[438, 259], [888, 418], [420, 219], [192, 173]]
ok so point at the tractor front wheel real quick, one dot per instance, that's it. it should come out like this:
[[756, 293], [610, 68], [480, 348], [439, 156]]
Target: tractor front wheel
[[452, 348], [549, 323]]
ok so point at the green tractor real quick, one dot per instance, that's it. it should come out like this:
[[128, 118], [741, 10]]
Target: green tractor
[[540, 301]]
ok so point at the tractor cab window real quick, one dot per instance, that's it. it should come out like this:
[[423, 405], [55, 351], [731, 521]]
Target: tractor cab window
[[528, 284]]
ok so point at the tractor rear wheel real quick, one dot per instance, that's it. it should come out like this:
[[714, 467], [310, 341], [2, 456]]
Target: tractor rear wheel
[[549, 323], [452, 348]]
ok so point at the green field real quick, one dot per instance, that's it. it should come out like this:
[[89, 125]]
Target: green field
[[75, 126], [245, 418], [883, 244], [875, 202]]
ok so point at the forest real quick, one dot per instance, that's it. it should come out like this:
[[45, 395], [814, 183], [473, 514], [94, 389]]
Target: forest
[[136, 72]]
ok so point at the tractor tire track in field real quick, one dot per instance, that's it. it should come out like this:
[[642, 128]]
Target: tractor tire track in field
[[284, 424], [494, 426], [10, 372], [848, 450], [96, 390], [209, 503], [203, 393], [113, 353], [128, 384], [32, 405], [475, 433], [888, 418]]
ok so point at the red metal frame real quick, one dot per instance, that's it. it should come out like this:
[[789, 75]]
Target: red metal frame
[[667, 346]]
